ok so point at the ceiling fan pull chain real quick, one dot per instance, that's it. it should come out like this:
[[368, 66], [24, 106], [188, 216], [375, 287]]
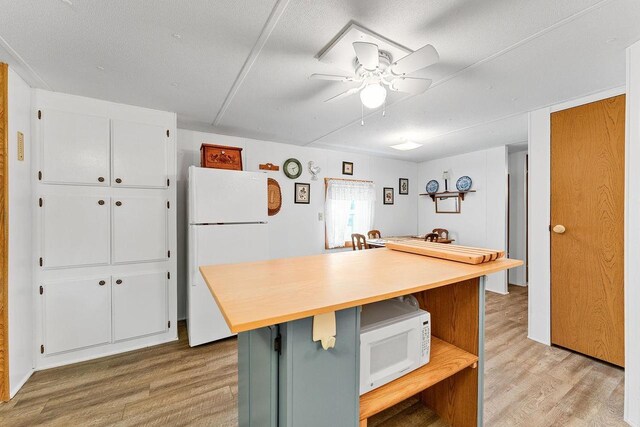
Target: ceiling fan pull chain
[[362, 120]]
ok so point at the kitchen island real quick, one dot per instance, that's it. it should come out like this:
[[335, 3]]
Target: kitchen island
[[287, 379]]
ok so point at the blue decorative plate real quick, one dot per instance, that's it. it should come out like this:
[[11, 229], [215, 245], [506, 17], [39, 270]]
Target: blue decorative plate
[[464, 183], [432, 186]]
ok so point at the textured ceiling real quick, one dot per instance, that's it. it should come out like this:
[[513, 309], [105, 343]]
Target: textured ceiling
[[245, 63]]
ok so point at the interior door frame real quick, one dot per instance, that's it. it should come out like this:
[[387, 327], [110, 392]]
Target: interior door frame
[[4, 232]]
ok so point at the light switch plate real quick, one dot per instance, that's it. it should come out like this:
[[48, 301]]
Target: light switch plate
[[320, 216], [20, 146]]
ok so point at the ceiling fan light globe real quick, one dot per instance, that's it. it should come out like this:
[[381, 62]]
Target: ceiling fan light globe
[[373, 95]]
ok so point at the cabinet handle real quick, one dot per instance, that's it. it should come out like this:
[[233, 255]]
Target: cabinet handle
[[118, 203], [100, 179], [101, 202], [119, 282], [101, 283], [118, 180]]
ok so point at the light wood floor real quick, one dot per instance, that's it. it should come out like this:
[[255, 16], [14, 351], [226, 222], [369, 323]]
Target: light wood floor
[[526, 384]]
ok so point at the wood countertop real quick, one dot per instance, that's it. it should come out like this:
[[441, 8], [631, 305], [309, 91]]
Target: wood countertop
[[257, 294]]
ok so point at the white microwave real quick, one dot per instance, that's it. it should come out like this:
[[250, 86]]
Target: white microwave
[[395, 339]]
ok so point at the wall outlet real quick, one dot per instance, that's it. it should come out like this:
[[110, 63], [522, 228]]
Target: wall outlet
[[320, 216]]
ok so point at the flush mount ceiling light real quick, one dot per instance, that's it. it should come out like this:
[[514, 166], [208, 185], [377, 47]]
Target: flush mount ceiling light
[[373, 95], [409, 145]]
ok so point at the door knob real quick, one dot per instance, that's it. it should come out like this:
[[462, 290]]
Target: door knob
[[559, 229], [118, 180], [118, 282]]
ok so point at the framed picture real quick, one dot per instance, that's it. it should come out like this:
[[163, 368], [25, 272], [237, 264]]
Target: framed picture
[[302, 193], [347, 168], [403, 186], [387, 195]]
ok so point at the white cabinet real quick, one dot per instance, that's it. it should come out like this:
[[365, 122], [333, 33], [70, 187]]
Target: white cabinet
[[77, 314], [74, 148], [139, 229], [139, 154], [75, 230], [139, 305]]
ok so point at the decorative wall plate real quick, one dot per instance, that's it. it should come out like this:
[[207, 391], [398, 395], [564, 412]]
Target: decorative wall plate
[[274, 197], [432, 186], [464, 183]]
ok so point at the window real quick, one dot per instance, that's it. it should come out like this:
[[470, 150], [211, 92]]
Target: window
[[349, 208]]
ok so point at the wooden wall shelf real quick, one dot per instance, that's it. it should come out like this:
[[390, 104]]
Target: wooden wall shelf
[[446, 360], [447, 194]]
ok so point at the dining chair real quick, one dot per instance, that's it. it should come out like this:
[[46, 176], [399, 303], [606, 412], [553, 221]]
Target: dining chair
[[359, 242], [431, 237], [443, 233], [374, 234]]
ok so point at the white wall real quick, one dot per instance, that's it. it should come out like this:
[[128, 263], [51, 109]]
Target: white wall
[[517, 216], [296, 229], [21, 341], [632, 243], [483, 216]]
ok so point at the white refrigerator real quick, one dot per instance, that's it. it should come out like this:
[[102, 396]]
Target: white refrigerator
[[227, 213]]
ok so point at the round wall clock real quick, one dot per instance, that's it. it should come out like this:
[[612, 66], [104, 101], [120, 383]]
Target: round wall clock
[[432, 186], [292, 168], [464, 183]]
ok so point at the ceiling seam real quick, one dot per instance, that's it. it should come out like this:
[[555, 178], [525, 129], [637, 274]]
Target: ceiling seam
[[35, 77], [269, 26], [473, 66]]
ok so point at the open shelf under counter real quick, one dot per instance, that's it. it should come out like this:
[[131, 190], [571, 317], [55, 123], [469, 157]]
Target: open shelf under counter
[[446, 360]]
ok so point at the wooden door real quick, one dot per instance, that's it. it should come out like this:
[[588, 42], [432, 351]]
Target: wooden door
[[587, 199]]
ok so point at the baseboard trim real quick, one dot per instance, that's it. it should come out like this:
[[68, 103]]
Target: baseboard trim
[[16, 388]]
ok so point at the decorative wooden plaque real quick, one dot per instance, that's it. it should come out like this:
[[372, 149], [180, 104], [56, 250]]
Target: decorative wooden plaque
[[220, 157], [274, 196]]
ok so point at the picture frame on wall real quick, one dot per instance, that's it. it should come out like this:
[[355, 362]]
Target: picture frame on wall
[[347, 168], [302, 193], [403, 186], [387, 195]]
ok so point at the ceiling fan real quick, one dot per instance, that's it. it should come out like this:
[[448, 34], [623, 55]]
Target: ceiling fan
[[375, 70]]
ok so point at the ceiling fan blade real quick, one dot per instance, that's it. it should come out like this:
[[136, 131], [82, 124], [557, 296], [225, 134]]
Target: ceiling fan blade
[[410, 85], [421, 58], [345, 94], [367, 54], [331, 77]]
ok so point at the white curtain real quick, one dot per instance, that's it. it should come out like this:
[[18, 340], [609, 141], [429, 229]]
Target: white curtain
[[347, 200]]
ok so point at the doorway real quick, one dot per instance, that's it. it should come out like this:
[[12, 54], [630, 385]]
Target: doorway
[[587, 229], [517, 212]]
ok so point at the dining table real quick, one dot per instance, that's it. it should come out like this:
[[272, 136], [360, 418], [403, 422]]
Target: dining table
[[382, 242]]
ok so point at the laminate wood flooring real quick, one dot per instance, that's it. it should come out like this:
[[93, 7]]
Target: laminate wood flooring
[[526, 384]]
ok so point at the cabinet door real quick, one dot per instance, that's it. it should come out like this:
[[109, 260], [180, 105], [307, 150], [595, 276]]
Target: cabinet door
[[139, 154], [75, 148], [77, 314], [75, 231], [139, 305], [139, 229]]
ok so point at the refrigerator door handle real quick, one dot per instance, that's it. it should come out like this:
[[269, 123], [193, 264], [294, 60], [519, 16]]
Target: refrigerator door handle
[[194, 271]]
